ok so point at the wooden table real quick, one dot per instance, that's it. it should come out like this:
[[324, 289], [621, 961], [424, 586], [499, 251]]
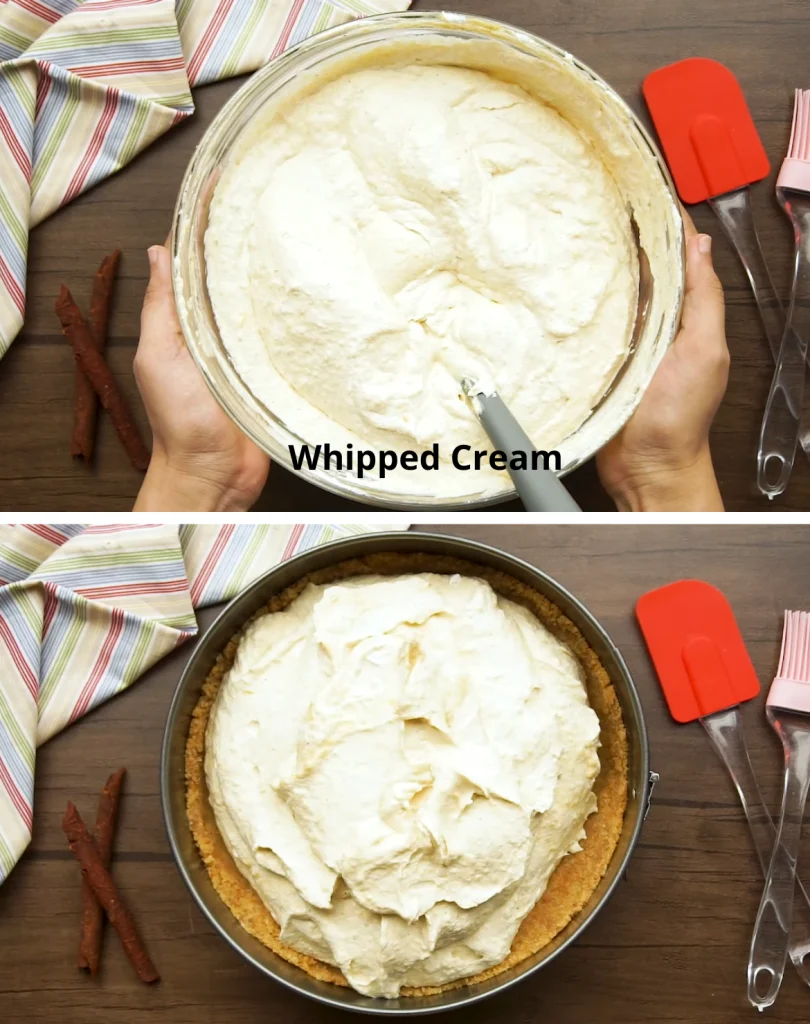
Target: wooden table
[[764, 41], [670, 946]]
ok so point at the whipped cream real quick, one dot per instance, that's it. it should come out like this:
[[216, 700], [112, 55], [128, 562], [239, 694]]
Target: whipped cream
[[397, 765], [400, 228]]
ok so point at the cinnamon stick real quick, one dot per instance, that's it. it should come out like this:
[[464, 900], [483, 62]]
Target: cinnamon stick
[[106, 892], [93, 364], [86, 408], [92, 914]]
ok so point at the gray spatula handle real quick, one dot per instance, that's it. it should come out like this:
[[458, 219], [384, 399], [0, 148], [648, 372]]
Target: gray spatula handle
[[539, 489]]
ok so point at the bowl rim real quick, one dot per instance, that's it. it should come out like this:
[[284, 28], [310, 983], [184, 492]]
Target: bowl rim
[[458, 547], [337, 484]]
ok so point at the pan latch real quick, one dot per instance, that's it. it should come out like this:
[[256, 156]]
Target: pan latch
[[653, 778]]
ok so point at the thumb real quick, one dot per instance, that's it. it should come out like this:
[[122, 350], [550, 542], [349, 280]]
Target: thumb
[[704, 314], [159, 315]]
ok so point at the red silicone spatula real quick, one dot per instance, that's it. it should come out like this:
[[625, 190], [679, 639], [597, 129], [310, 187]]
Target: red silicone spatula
[[706, 129], [697, 649], [705, 672], [714, 153]]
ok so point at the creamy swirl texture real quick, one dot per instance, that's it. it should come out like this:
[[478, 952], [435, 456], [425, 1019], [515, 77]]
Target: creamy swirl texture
[[403, 227], [397, 765]]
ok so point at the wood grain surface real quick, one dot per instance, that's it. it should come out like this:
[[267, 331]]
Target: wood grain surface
[[671, 945], [765, 42]]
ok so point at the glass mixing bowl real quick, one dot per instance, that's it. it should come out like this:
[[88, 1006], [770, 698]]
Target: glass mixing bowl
[[549, 73]]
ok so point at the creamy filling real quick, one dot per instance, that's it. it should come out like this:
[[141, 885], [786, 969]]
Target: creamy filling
[[397, 765], [401, 228]]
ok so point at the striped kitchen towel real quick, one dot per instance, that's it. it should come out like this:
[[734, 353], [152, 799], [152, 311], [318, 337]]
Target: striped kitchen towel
[[85, 611], [85, 85]]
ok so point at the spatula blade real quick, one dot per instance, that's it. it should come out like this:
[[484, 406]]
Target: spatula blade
[[706, 130], [697, 649]]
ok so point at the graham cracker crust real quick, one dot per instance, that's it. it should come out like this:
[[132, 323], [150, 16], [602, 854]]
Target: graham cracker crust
[[577, 875]]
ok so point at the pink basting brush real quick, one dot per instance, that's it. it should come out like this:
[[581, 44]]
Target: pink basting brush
[[788, 711], [781, 422]]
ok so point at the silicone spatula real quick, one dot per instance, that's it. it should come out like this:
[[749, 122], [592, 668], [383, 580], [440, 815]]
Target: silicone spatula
[[714, 153], [540, 489], [706, 673]]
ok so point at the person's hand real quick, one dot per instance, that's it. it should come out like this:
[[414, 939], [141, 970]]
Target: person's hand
[[201, 461], [661, 460]]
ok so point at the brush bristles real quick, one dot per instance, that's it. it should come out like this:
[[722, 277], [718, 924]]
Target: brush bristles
[[794, 662], [800, 133]]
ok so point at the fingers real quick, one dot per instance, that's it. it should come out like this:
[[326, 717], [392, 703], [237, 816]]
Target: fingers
[[159, 324], [688, 223], [703, 324], [704, 303]]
